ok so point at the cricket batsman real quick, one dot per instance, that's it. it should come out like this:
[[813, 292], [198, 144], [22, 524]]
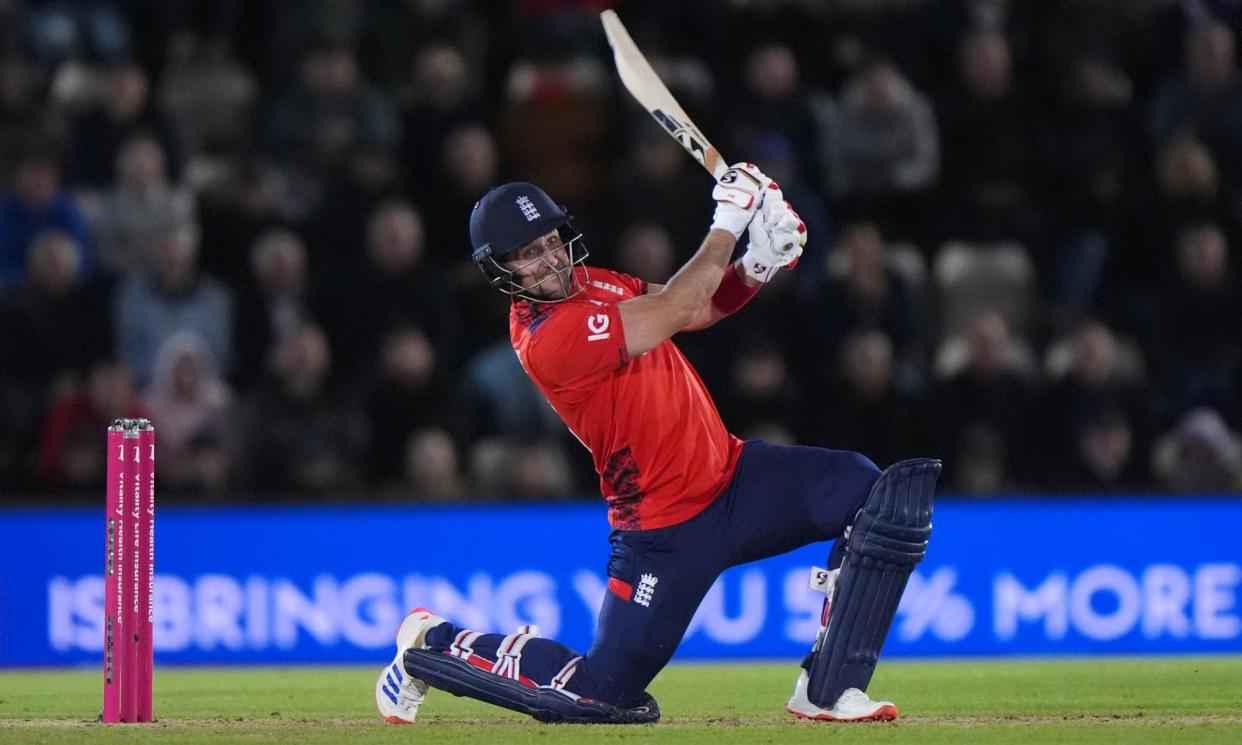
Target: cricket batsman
[[686, 499]]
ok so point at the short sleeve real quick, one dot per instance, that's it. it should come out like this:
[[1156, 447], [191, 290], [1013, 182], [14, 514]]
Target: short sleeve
[[577, 345], [633, 284]]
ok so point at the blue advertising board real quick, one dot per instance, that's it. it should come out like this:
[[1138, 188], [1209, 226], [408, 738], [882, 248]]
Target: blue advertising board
[[314, 584]]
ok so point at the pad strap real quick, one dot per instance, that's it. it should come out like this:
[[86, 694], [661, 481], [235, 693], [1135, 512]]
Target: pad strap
[[509, 655]]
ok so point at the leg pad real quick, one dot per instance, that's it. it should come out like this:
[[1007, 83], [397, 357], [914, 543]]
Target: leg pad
[[887, 539], [545, 704]]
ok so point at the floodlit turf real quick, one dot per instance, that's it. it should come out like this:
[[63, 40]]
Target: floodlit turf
[[1131, 701]]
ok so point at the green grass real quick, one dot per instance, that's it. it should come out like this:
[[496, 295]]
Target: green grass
[[1131, 701]]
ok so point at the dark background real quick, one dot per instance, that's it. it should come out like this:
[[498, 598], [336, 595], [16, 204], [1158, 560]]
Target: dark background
[[247, 221]]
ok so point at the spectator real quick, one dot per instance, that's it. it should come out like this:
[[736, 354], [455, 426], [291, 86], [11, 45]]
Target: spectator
[[124, 107], [989, 391], [555, 117], [440, 97], [189, 403], [538, 470], [857, 291], [991, 163], [169, 296], [53, 326], [277, 299], [500, 400], [396, 29], [1101, 381], [23, 109], [978, 463], [467, 165], [410, 395], [140, 207], [1188, 179], [1105, 457], [432, 469], [1189, 189], [1207, 99], [862, 405], [395, 285], [1198, 345], [881, 146], [301, 436], [212, 465], [69, 455], [208, 94], [235, 212], [331, 109], [368, 177], [1201, 454], [58, 31], [772, 103], [762, 396], [38, 202], [1089, 148], [653, 180]]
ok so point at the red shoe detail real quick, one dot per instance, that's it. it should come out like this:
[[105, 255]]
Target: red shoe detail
[[882, 714]]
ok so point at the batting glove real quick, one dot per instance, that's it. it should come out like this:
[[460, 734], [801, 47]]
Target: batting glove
[[739, 193], [777, 237]]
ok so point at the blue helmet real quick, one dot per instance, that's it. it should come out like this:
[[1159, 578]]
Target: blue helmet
[[510, 216]]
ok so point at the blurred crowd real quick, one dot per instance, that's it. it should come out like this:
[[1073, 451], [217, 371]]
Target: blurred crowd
[[246, 220]]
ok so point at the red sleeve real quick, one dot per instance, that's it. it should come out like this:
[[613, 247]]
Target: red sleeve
[[629, 282], [576, 346]]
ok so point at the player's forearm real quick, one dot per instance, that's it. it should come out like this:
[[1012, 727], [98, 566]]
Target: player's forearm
[[690, 290], [733, 292]]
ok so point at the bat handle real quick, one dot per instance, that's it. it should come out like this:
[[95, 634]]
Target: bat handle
[[715, 162]]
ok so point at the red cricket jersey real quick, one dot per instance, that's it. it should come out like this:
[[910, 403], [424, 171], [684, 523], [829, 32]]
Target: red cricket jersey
[[659, 446]]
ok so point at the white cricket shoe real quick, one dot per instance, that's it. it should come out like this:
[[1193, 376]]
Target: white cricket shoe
[[398, 695], [852, 706]]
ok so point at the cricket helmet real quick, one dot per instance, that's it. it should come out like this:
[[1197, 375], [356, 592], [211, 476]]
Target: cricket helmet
[[512, 215]]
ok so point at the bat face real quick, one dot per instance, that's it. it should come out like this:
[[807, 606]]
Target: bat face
[[647, 88], [689, 137]]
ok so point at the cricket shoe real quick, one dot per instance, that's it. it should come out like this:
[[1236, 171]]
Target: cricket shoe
[[397, 694], [852, 706]]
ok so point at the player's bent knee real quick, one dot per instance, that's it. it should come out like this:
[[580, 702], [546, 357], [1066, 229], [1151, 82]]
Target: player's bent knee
[[855, 473], [544, 703]]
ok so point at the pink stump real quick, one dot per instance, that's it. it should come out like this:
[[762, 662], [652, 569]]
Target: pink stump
[[130, 568], [114, 601], [146, 572]]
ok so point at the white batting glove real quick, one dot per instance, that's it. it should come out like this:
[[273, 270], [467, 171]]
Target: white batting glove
[[739, 193], [777, 237]]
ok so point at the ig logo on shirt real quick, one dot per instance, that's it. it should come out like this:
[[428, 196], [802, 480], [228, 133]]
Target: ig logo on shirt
[[598, 326]]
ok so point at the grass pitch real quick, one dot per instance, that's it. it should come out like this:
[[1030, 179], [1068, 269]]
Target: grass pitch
[[1149, 700]]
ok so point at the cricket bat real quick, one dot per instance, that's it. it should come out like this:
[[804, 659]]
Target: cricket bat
[[642, 83]]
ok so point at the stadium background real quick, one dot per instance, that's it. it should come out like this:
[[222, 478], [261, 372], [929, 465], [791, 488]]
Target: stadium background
[[246, 220]]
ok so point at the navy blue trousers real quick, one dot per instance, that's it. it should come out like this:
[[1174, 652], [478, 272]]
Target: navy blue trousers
[[780, 498]]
